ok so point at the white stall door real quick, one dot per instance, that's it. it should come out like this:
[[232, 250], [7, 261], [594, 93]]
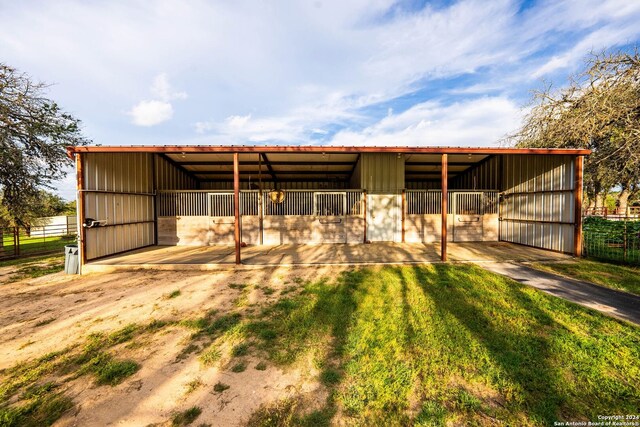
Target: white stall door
[[382, 217]]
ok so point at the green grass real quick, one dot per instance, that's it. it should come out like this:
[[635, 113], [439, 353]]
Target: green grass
[[173, 294], [614, 276], [41, 406], [448, 344], [37, 404], [186, 417], [109, 371], [32, 245], [239, 367], [240, 350], [210, 356], [33, 267], [220, 387]]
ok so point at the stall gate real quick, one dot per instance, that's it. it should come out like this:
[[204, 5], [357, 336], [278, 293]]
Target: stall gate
[[472, 216], [204, 218]]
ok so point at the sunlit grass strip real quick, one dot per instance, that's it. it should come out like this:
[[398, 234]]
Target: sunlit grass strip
[[446, 343]]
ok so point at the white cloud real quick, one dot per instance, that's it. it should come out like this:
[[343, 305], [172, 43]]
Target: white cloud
[[151, 113], [162, 89], [478, 122]]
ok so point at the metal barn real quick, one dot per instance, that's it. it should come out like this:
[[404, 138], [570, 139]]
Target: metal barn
[[241, 196]]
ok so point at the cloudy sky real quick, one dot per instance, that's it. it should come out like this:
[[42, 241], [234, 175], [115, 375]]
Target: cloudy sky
[[349, 72]]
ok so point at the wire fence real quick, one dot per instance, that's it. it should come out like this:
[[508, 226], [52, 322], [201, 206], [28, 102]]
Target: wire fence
[[613, 240], [18, 242]]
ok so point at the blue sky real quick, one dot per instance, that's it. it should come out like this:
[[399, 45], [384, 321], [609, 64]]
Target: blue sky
[[362, 72]]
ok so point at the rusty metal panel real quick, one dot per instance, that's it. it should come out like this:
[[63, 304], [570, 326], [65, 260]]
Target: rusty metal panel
[[537, 207], [382, 173]]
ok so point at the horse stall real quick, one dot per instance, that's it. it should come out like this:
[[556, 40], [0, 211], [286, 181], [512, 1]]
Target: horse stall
[[272, 217]]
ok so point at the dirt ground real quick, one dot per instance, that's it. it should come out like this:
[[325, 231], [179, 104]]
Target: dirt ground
[[56, 311]]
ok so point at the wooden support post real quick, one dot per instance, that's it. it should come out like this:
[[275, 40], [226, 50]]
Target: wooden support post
[[81, 208], [577, 193], [236, 205], [443, 208], [404, 207], [364, 215]]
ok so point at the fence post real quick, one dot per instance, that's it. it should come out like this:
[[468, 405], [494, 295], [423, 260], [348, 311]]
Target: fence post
[[16, 241], [625, 243]]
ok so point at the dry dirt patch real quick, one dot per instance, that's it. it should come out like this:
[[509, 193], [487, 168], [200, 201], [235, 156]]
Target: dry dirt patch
[[58, 312]]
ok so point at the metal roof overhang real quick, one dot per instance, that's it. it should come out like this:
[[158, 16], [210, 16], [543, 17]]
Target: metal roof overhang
[[313, 163]]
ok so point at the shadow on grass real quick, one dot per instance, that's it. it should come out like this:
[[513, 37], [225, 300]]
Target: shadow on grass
[[315, 320], [521, 354]]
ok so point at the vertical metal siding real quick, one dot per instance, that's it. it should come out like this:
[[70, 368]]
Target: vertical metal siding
[[382, 172], [537, 206], [168, 177], [484, 176], [118, 190]]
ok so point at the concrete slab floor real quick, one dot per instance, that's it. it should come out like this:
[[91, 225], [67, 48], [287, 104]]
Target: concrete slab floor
[[212, 257]]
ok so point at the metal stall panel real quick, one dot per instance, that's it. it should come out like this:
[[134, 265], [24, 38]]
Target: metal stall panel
[[118, 192], [537, 207], [330, 211], [467, 217]]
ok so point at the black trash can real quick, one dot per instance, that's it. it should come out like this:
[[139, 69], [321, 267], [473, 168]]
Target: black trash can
[[71, 259]]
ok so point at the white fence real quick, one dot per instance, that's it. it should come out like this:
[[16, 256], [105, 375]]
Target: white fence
[[428, 202], [252, 202]]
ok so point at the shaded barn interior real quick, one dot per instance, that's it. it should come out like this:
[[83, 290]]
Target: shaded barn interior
[[159, 196]]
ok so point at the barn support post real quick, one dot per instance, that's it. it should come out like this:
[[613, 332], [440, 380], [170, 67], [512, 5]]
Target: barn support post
[[577, 192], [443, 209], [236, 205], [364, 215], [154, 183], [81, 208], [404, 204]]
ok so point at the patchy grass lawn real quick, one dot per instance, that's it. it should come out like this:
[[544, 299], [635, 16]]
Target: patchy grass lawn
[[621, 277], [415, 345], [30, 268]]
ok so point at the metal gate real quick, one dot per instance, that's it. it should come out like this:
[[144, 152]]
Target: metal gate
[[330, 211], [467, 216]]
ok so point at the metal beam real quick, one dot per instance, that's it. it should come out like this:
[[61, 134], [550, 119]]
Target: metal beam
[[274, 163], [229, 149], [236, 205], [443, 208], [269, 167], [271, 181], [204, 174], [577, 233], [439, 163], [81, 209]]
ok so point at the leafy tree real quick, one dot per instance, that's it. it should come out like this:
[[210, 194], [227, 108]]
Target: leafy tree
[[598, 110], [34, 134]]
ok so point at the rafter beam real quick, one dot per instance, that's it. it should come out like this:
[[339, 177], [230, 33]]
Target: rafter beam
[[269, 167]]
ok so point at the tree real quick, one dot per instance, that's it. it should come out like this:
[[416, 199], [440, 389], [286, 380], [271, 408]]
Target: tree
[[34, 134], [598, 110]]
